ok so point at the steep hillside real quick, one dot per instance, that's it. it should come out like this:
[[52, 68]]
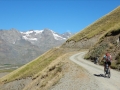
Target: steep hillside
[[40, 74], [91, 34], [36, 65], [110, 42], [35, 69]]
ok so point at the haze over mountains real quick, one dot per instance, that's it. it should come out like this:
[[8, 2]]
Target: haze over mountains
[[21, 47]]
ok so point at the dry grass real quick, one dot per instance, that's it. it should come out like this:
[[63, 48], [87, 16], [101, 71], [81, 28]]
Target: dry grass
[[35, 66], [101, 26], [50, 75]]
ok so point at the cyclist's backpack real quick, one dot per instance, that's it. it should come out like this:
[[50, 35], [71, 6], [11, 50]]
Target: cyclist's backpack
[[108, 57]]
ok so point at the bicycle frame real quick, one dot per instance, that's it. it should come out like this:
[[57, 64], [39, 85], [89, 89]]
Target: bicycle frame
[[107, 70]]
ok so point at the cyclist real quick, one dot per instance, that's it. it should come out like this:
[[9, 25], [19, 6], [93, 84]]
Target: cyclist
[[96, 59], [107, 60]]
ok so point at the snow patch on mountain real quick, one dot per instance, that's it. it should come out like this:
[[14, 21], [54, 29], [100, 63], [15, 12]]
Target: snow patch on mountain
[[57, 37], [26, 38], [28, 35], [38, 31], [33, 34], [32, 31]]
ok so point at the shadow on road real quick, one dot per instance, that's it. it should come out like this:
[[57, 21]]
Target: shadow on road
[[99, 75]]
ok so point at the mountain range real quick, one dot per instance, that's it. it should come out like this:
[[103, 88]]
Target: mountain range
[[21, 47]]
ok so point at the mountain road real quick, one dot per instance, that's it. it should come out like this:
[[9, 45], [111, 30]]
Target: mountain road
[[112, 83]]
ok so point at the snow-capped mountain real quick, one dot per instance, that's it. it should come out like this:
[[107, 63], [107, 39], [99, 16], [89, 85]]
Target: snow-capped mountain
[[21, 47], [34, 35], [45, 39]]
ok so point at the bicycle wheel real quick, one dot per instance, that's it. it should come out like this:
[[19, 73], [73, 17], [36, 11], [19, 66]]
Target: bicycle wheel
[[105, 73]]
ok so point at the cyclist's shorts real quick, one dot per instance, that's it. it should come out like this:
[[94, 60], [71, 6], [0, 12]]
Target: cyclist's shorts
[[109, 63]]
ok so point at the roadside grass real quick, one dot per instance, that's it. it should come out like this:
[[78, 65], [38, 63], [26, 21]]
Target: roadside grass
[[103, 25], [35, 66]]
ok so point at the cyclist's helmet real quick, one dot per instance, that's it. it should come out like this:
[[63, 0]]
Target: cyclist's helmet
[[107, 54]]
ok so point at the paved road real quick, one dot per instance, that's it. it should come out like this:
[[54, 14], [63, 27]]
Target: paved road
[[112, 83]]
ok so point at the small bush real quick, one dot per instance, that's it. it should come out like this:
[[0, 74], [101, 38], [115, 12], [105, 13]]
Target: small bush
[[101, 63], [59, 69], [111, 47], [118, 61], [113, 65], [87, 56], [118, 58]]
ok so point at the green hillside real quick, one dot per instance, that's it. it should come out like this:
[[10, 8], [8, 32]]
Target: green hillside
[[34, 67], [100, 26]]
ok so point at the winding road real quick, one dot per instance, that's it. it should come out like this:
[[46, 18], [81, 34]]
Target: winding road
[[112, 83]]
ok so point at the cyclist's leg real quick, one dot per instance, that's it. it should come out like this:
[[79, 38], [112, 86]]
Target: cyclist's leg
[[109, 63], [104, 66]]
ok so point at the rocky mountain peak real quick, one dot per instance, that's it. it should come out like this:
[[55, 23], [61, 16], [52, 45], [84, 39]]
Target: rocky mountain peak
[[10, 36], [47, 32], [67, 35]]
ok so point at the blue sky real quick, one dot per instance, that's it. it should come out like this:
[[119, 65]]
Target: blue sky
[[57, 15]]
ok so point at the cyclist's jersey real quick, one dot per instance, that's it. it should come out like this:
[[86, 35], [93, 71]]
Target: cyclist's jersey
[[107, 58]]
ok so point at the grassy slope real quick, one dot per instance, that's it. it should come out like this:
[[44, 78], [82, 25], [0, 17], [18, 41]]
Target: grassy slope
[[100, 26], [35, 66]]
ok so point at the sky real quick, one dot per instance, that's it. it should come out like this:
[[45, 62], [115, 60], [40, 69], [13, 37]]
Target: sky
[[58, 15]]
